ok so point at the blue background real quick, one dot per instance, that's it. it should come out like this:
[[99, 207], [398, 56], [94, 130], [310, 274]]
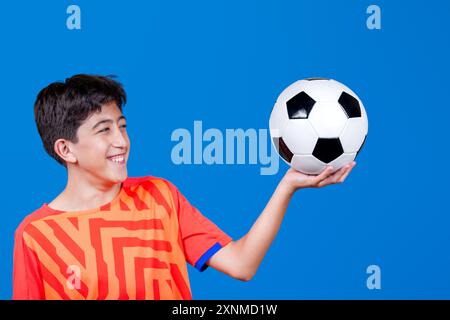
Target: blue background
[[225, 62]]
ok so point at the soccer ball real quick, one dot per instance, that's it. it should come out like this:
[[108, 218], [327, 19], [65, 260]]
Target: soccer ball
[[317, 122]]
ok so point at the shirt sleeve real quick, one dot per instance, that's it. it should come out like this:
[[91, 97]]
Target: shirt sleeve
[[27, 281], [201, 238]]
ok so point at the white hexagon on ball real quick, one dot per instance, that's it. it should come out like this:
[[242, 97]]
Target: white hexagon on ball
[[307, 164], [328, 119], [342, 160], [300, 136], [278, 120], [353, 135], [322, 89]]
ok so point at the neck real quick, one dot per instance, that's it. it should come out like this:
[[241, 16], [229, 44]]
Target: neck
[[84, 192]]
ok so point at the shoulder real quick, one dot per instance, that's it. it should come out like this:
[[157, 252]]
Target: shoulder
[[36, 215]]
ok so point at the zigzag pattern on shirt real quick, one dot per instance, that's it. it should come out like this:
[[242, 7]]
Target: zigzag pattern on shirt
[[119, 256]]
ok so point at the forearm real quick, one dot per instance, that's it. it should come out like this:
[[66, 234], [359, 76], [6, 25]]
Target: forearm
[[253, 246], [241, 259]]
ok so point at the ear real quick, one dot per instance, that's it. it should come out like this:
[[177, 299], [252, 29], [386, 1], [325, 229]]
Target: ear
[[62, 148]]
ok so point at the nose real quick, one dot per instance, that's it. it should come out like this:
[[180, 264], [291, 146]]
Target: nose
[[120, 139]]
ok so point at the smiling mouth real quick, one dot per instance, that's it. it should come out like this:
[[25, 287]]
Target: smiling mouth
[[119, 159]]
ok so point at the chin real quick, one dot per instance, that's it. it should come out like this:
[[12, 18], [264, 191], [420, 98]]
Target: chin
[[116, 177], [122, 178]]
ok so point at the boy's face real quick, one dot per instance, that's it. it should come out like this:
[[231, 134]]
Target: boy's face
[[103, 145]]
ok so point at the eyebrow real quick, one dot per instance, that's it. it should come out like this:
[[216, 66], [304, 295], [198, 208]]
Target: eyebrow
[[107, 121]]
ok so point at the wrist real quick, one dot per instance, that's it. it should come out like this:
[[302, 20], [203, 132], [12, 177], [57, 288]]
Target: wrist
[[286, 187]]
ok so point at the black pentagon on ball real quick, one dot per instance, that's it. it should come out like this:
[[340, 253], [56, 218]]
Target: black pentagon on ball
[[283, 149], [328, 149], [315, 79], [300, 106], [350, 105]]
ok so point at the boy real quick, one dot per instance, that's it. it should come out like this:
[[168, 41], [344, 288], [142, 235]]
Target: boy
[[108, 236]]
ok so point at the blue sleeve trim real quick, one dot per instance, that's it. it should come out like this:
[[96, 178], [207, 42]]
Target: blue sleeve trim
[[201, 263]]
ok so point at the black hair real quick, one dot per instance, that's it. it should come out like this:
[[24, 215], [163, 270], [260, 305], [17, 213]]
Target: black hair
[[61, 107]]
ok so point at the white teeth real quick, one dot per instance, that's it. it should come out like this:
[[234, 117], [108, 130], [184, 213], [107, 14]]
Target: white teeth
[[117, 158]]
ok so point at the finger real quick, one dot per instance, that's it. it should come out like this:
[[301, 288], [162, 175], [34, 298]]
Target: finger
[[344, 176], [335, 177], [323, 175]]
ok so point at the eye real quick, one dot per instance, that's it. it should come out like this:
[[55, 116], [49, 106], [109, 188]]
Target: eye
[[104, 130], [124, 125]]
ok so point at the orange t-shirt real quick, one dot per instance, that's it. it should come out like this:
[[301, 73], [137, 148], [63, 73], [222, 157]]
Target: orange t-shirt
[[134, 247]]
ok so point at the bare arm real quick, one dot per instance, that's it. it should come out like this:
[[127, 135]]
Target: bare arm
[[241, 259]]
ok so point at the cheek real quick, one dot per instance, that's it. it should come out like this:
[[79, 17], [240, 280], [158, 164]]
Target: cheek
[[93, 152]]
